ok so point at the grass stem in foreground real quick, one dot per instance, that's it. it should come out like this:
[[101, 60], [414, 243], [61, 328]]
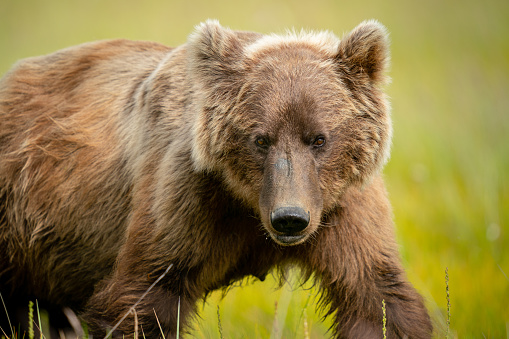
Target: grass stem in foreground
[[384, 320], [219, 323], [178, 319], [30, 319], [448, 301]]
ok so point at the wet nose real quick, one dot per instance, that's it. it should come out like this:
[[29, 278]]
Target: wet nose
[[289, 220]]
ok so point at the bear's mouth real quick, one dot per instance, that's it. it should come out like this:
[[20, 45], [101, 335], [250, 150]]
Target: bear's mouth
[[289, 240]]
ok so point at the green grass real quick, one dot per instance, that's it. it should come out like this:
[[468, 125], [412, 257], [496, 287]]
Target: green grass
[[449, 174], [260, 310]]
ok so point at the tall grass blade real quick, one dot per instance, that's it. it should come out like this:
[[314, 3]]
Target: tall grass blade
[[178, 319], [281, 309], [384, 320], [8, 319], [143, 333], [219, 323], [74, 321], [275, 325], [135, 325], [159, 324], [38, 317], [5, 334], [501, 270], [39, 328], [304, 318], [448, 301]]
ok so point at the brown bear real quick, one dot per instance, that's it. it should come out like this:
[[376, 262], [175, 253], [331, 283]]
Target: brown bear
[[229, 156]]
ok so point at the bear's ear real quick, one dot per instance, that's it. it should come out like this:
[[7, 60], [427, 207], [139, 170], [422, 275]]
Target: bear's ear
[[213, 53], [365, 51], [215, 68]]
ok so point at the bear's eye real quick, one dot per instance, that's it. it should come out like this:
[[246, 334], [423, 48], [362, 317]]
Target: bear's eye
[[319, 141], [262, 142]]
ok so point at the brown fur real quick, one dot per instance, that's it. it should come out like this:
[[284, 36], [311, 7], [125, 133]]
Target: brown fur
[[119, 158]]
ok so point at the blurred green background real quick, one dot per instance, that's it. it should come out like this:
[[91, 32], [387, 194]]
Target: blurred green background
[[449, 174]]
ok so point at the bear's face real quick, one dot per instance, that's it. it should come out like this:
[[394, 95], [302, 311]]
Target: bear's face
[[290, 122]]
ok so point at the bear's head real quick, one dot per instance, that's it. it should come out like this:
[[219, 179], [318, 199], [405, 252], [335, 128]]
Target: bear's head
[[290, 122]]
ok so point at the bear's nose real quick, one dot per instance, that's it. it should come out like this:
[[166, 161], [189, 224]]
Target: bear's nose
[[289, 220]]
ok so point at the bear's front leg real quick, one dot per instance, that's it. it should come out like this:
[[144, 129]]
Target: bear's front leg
[[355, 258], [355, 301], [126, 303]]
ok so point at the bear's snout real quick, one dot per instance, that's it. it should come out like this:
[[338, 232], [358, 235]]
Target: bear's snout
[[290, 200], [289, 220]]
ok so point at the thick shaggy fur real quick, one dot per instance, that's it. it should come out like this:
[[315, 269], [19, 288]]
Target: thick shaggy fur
[[119, 158]]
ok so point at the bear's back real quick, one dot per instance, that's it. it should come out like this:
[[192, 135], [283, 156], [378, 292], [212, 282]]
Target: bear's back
[[61, 161]]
